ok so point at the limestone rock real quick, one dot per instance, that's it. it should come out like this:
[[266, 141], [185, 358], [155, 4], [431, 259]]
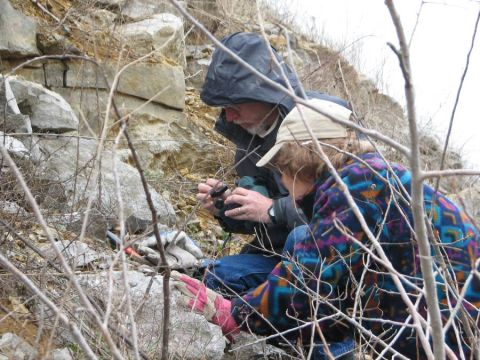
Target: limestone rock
[[14, 347], [153, 125], [161, 83], [98, 19], [60, 354], [254, 347], [96, 227], [191, 336], [142, 9], [55, 44], [11, 118], [8, 207], [14, 122], [157, 130], [111, 3], [70, 164], [17, 33], [202, 10], [76, 253], [161, 32], [47, 110], [198, 60], [15, 147]]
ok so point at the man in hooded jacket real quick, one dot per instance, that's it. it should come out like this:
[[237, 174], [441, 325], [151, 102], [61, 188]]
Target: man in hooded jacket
[[252, 111]]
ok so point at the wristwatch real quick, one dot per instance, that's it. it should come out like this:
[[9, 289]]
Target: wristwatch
[[271, 214]]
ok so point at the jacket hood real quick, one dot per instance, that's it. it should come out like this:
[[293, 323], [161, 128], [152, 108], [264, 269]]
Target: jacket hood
[[228, 82]]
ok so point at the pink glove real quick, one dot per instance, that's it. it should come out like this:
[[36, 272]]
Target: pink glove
[[199, 298]]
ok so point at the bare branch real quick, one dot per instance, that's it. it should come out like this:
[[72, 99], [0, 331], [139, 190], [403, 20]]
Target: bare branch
[[457, 98], [7, 265], [448, 173], [418, 211]]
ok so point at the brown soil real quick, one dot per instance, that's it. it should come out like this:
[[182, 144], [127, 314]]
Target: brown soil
[[22, 325]]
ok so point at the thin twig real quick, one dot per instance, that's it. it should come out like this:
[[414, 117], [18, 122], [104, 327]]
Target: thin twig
[[457, 98], [417, 204], [7, 265]]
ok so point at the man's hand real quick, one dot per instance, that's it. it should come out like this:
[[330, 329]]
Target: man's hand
[[196, 297], [253, 205], [203, 195]]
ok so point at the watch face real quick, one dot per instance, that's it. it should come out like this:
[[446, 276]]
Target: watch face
[[271, 212]]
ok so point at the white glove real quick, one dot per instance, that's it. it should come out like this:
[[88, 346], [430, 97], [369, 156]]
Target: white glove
[[181, 253]]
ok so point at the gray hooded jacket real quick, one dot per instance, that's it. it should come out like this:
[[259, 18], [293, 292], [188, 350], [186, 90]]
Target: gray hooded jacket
[[228, 82]]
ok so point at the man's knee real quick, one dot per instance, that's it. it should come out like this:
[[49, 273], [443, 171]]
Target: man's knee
[[237, 274]]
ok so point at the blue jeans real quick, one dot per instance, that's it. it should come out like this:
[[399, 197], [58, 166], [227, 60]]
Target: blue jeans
[[238, 274]]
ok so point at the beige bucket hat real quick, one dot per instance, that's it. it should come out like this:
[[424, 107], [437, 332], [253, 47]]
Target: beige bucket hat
[[293, 128]]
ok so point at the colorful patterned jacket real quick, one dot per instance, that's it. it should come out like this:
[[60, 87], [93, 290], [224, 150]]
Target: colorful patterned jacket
[[327, 269]]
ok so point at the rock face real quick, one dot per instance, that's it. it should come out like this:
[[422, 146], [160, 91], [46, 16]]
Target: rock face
[[15, 147], [141, 9], [17, 33], [47, 110], [76, 253], [198, 57], [191, 336], [76, 183], [159, 83], [162, 33], [14, 347]]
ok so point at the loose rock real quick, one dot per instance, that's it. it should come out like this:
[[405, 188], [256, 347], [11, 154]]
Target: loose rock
[[47, 110], [162, 33], [17, 33], [191, 336], [14, 347]]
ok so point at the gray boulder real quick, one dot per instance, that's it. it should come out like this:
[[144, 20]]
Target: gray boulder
[[15, 147], [248, 346], [110, 3], [161, 32], [60, 354], [14, 347], [11, 119], [191, 336], [70, 164], [56, 44], [160, 121], [47, 110], [198, 60], [14, 122], [76, 253], [17, 33], [142, 9], [161, 83], [11, 208]]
